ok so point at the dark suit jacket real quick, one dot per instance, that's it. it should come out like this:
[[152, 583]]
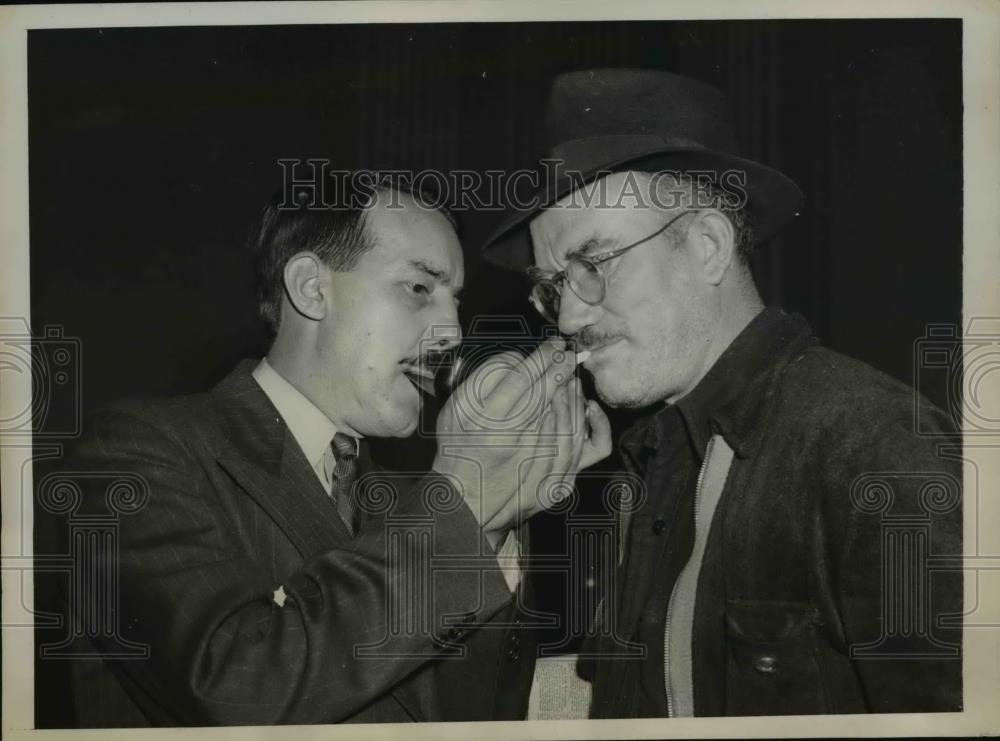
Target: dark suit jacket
[[233, 511]]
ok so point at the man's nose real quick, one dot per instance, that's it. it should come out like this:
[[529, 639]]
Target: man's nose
[[575, 313], [445, 333]]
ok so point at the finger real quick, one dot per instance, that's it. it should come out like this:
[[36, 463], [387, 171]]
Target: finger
[[572, 437], [597, 447], [485, 377], [550, 366], [562, 400], [470, 400], [537, 472], [579, 410], [567, 438], [580, 427], [558, 424]]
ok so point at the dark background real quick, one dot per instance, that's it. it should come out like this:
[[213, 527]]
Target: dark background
[[153, 150]]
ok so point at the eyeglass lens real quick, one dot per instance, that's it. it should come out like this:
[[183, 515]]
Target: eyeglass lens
[[584, 279]]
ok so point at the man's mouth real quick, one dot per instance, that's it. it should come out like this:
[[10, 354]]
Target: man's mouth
[[421, 377], [592, 351], [421, 372]]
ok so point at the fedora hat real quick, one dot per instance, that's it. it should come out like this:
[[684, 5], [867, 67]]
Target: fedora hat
[[609, 120]]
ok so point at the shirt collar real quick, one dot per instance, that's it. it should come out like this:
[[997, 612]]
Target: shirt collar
[[310, 427]]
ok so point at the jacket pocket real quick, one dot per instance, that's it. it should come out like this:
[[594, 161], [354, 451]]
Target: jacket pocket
[[772, 666]]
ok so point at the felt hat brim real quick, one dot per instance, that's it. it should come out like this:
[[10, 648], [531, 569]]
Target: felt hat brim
[[771, 197]]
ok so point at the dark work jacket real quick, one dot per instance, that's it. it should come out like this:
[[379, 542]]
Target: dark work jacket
[[213, 507], [830, 498]]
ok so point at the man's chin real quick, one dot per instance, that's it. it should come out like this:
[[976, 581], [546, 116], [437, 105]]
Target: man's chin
[[397, 423], [408, 412], [613, 393], [393, 415], [406, 430]]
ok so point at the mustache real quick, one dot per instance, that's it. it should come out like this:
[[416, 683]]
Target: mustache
[[589, 338]]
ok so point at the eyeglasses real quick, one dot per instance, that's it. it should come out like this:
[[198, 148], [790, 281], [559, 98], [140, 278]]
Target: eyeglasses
[[583, 276]]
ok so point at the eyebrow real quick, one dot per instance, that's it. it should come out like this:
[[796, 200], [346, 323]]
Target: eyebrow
[[441, 276], [594, 242], [424, 267], [589, 245]]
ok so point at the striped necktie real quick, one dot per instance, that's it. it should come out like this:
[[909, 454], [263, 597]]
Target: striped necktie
[[345, 473]]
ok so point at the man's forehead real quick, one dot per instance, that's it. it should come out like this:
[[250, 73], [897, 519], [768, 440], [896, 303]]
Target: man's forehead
[[422, 239], [556, 232]]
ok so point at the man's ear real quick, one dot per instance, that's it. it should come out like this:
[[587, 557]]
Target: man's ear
[[716, 240], [303, 278]]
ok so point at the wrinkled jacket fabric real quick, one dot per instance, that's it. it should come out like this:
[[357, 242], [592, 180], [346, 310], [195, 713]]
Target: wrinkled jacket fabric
[[826, 585]]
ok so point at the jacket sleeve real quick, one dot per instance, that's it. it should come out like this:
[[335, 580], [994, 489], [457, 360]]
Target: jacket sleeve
[[222, 649], [891, 526]]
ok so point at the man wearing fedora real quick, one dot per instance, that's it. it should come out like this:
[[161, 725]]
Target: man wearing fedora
[[765, 569]]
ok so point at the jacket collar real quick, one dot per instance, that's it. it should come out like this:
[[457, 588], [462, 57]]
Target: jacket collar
[[310, 427], [252, 425], [733, 394], [264, 459]]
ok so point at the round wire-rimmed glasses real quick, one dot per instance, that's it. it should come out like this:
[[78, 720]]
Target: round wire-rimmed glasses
[[582, 275]]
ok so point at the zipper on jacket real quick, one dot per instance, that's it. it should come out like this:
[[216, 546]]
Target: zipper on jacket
[[670, 603]]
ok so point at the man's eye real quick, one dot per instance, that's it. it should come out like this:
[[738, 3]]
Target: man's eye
[[420, 291]]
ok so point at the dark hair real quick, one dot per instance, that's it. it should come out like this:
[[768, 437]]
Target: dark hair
[[336, 235], [714, 195]]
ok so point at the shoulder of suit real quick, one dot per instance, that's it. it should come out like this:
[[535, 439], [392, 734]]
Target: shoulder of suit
[[191, 420]]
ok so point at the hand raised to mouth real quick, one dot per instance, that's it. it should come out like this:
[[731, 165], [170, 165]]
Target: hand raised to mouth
[[515, 422]]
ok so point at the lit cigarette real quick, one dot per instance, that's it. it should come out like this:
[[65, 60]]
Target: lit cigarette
[[582, 356]]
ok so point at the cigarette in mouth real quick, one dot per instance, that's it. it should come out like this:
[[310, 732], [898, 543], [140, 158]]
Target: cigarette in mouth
[[582, 356]]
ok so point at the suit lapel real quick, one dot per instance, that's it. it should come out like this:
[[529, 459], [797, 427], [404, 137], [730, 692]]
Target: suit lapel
[[265, 461]]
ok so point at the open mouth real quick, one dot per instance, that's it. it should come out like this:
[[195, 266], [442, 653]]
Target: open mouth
[[420, 376], [434, 374]]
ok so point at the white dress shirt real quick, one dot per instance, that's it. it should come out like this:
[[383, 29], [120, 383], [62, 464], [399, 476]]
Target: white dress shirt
[[312, 429]]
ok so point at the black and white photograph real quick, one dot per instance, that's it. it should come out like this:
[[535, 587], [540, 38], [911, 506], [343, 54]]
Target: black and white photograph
[[514, 371]]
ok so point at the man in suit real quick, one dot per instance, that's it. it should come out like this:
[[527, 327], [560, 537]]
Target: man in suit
[[274, 574], [761, 572]]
